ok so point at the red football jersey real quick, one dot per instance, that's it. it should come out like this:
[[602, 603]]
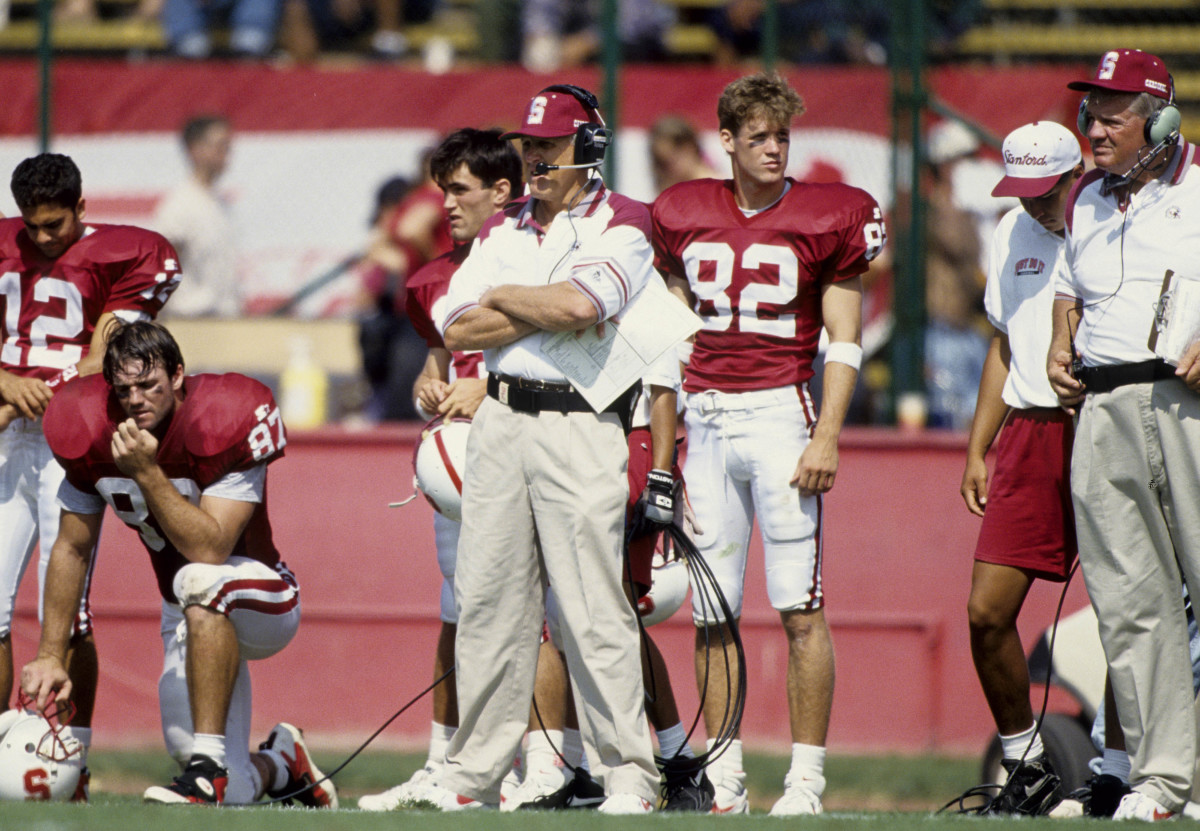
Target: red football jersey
[[49, 308], [426, 303], [757, 279], [225, 423]]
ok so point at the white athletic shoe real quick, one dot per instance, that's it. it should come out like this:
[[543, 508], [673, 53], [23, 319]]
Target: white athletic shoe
[[625, 803], [730, 797], [798, 800], [444, 799], [1137, 805], [537, 787], [306, 783], [406, 793], [510, 783]]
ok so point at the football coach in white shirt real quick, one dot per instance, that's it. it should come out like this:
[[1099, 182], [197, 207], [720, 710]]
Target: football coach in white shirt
[[1135, 470], [545, 486]]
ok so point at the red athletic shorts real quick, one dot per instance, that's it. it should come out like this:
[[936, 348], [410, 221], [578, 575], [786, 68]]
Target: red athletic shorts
[[641, 549], [1029, 522]]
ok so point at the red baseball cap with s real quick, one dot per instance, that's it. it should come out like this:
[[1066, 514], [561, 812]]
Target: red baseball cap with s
[[553, 113], [1129, 70]]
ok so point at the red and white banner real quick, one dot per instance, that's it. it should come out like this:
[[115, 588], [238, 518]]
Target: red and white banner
[[312, 145]]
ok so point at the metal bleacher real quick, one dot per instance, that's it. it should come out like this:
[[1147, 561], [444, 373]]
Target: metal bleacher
[[1078, 31]]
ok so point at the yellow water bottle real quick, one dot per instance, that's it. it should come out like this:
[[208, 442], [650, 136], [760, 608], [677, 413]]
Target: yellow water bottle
[[304, 388]]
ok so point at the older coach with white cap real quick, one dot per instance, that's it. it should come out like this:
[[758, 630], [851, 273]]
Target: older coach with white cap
[[1133, 227], [545, 487], [1028, 529]]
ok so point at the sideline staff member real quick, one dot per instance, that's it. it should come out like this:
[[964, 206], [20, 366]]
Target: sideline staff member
[[1135, 470], [545, 490]]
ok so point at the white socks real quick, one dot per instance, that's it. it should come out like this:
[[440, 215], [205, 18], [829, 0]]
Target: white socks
[[439, 739], [210, 745], [1014, 746], [808, 766], [673, 742], [541, 751], [1116, 762]]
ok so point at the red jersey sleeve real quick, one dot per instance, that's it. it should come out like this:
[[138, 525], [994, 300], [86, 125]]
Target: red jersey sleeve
[[142, 266]]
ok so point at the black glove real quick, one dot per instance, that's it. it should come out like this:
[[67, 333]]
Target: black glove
[[659, 498]]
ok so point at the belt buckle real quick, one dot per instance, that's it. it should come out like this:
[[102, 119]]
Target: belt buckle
[[502, 392]]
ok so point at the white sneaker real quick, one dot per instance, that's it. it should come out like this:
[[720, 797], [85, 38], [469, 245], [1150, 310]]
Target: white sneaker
[[625, 803], [1067, 809], [510, 783], [1137, 805], [539, 788], [405, 793], [799, 799], [306, 783], [730, 797], [444, 799]]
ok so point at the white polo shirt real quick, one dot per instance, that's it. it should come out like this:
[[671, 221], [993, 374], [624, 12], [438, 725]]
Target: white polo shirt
[[1023, 265], [1116, 259], [602, 247]]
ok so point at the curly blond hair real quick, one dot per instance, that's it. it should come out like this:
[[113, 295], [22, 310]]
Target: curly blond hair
[[763, 95]]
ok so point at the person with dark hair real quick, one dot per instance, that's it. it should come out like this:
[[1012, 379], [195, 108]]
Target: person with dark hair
[[64, 283], [1028, 530], [197, 220], [767, 262], [478, 173], [182, 460]]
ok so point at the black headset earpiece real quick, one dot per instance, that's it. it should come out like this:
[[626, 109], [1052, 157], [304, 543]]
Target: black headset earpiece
[[592, 138]]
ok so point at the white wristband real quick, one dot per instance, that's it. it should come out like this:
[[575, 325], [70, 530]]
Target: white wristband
[[844, 352], [422, 412]]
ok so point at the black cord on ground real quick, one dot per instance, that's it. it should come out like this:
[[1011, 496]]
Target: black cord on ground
[[361, 747]]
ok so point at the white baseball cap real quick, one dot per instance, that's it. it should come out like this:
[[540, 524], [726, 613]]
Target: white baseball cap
[[1035, 156]]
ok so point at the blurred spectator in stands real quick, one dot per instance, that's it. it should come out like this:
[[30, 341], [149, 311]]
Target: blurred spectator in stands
[[313, 26], [252, 25], [955, 340], [565, 33], [409, 228], [675, 153], [83, 11], [831, 31], [498, 25], [196, 219], [810, 31]]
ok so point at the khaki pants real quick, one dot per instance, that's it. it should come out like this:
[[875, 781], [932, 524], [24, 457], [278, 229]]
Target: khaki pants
[[544, 499], [1135, 482]]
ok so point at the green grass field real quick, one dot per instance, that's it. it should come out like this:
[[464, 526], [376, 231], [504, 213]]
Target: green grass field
[[898, 793]]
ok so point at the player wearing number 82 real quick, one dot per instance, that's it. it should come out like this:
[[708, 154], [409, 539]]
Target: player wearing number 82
[[766, 261]]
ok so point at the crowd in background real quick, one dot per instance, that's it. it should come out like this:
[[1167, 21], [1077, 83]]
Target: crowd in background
[[542, 34]]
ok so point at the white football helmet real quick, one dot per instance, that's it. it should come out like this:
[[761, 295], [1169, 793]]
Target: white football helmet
[[439, 460], [39, 760], [667, 592]]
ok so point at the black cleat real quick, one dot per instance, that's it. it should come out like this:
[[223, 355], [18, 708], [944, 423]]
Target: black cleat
[[1032, 789], [1101, 795], [201, 783], [586, 792], [686, 786]]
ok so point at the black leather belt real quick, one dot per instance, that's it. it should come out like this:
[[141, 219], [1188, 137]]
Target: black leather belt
[[1108, 378], [529, 396]]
